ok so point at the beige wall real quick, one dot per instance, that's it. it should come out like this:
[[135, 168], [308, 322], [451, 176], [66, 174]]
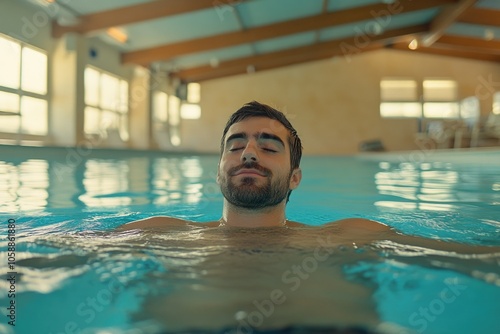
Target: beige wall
[[26, 22], [334, 104]]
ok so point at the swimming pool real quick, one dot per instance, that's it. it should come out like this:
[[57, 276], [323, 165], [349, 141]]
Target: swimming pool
[[74, 275]]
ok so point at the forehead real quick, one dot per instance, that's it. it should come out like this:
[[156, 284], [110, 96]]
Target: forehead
[[254, 125]]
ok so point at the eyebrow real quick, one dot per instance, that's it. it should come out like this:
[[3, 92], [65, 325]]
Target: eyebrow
[[257, 136]]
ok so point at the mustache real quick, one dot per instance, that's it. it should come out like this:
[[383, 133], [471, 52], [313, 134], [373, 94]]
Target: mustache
[[250, 165]]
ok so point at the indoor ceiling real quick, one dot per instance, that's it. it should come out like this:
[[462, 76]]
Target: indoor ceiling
[[197, 40]]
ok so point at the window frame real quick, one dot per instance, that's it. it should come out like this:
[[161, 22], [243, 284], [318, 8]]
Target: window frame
[[495, 103], [455, 101], [19, 134], [419, 99], [122, 114], [400, 101], [192, 101]]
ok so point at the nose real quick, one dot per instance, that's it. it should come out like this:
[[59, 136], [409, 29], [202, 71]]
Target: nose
[[249, 154]]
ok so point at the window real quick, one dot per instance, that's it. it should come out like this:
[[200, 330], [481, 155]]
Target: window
[[440, 99], [193, 92], [23, 88], [400, 98], [174, 105], [496, 103], [169, 110], [160, 100], [166, 115], [106, 103], [190, 109]]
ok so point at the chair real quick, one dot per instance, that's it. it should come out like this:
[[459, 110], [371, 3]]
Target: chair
[[372, 146]]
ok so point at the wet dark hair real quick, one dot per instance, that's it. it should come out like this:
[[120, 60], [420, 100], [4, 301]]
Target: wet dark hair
[[256, 109]]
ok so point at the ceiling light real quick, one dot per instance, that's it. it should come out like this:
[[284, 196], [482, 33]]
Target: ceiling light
[[117, 34], [489, 34], [413, 45], [214, 62], [377, 29]]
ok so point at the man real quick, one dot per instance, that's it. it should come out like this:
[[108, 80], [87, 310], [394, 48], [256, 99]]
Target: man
[[257, 171], [259, 167]]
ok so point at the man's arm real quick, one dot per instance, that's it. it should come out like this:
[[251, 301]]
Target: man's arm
[[371, 232]]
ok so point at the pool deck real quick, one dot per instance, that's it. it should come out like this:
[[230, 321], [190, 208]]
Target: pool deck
[[483, 155]]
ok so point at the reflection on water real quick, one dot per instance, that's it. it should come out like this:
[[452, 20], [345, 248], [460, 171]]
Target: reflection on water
[[24, 187], [37, 184], [444, 188], [100, 180]]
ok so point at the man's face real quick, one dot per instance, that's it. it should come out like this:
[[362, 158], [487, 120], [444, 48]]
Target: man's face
[[254, 170]]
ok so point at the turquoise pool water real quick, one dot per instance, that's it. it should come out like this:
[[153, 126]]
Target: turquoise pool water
[[73, 274]]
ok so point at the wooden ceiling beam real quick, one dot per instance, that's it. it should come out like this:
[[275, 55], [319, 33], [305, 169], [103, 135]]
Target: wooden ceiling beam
[[343, 47], [380, 12], [481, 16], [292, 60], [471, 44], [132, 14], [446, 50], [444, 19]]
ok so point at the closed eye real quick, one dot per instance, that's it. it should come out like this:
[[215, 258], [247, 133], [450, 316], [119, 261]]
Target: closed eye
[[270, 150], [235, 149]]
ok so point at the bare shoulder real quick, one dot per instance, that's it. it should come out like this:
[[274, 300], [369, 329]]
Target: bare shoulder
[[369, 231], [153, 222], [359, 224]]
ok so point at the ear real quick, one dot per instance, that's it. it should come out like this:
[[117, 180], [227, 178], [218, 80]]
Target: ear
[[296, 178]]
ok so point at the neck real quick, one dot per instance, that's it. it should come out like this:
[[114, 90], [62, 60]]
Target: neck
[[242, 217]]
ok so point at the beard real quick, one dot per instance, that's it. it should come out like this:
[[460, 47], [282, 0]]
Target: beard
[[249, 195]]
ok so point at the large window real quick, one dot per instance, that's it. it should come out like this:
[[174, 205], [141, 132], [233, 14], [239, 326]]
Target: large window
[[190, 108], [496, 103], [174, 107], [106, 103], [160, 109], [433, 98], [23, 88], [169, 110], [166, 115], [399, 98], [440, 99]]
